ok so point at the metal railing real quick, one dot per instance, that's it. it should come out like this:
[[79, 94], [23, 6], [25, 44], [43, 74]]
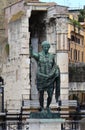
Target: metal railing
[[67, 125], [14, 120]]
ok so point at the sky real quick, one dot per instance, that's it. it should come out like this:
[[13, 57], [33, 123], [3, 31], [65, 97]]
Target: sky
[[77, 4]]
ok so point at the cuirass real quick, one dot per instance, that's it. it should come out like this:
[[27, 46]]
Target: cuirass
[[45, 63]]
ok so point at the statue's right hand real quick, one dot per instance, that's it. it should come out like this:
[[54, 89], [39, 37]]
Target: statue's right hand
[[31, 50], [33, 54]]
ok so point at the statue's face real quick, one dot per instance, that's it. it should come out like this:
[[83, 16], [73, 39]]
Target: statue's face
[[46, 48]]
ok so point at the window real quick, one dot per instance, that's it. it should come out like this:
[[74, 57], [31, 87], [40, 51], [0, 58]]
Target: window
[[72, 38], [78, 40], [82, 56], [71, 53], [78, 55], [75, 54]]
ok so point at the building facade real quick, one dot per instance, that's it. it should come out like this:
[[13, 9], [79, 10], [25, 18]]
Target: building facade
[[76, 38], [77, 57]]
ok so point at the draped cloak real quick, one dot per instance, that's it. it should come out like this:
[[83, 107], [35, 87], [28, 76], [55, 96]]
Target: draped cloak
[[48, 73]]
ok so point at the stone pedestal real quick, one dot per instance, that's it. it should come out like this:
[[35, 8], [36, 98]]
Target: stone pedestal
[[45, 124]]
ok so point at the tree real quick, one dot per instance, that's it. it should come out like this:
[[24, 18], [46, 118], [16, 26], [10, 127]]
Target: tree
[[75, 23], [81, 16]]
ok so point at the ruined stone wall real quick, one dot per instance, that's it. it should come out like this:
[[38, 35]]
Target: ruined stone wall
[[3, 36], [16, 70], [3, 4], [3, 26], [2, 32]]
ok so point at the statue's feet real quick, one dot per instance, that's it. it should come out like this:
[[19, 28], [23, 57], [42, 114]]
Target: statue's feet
[[42, 109], [48, 109]]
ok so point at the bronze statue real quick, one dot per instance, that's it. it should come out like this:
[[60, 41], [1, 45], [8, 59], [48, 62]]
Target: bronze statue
[[48, 74]]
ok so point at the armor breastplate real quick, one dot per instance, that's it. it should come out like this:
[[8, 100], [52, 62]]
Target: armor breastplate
[[45, 63]]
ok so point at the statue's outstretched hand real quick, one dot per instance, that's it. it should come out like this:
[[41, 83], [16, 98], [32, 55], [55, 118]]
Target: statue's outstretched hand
[[31, 50]]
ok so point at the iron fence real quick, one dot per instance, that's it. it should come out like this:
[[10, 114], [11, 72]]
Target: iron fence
[[67, 125]]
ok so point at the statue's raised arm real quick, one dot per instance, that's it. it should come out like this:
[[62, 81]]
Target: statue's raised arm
[[34, 54]]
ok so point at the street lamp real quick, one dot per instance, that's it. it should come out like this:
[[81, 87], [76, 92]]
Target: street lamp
[[2, 93]]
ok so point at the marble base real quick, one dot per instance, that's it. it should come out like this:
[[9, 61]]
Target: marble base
[[45, 124]]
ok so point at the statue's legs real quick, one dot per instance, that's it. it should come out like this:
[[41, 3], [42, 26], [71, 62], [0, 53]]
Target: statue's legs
[[57, 88], [50, 94], [41, 99]]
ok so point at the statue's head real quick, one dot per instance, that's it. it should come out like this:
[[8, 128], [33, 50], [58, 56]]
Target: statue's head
[[45, 46], [45, 43]]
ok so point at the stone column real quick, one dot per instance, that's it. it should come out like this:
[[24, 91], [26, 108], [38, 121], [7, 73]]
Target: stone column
[[62, 52], [57, 18]]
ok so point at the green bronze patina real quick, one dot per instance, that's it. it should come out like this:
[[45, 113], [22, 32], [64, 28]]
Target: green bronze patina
[[48, 73], [44, 115]]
